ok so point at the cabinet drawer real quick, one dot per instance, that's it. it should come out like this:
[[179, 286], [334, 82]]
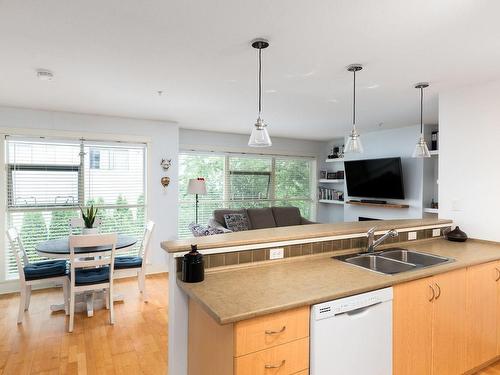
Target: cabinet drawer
[[270, 330], [283, 359]]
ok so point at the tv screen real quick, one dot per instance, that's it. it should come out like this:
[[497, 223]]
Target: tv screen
[[375, 178]]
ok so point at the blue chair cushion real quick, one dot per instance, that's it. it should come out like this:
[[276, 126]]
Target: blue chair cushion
[[87, 276], [127, 262], [45, 269]]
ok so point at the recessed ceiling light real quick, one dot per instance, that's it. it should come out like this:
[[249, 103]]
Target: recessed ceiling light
[[374, 86], [332, 101], [160, 92], [44, 75], [271, 91]]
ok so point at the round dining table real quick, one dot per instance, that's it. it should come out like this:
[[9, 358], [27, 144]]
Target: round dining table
[[59, 248]]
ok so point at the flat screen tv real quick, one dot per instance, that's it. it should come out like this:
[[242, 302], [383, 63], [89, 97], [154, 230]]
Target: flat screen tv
[[375, 178]]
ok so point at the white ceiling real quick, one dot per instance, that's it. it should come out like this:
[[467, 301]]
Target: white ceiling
[[111, 57]]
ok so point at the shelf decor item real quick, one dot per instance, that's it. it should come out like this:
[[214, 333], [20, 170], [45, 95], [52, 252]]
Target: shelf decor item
[[354, 145], [421, 149], [197, 187], [89, 215], [260, 136]]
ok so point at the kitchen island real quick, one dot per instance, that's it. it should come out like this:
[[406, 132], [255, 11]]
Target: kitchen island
[[248, 251]]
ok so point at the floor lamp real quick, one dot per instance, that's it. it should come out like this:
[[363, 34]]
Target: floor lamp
[[197, 187]]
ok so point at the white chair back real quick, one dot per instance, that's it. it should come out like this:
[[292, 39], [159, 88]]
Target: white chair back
[[89, 259], [148, 230], [16, 246]]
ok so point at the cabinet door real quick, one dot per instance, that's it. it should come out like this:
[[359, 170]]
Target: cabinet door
[[482, 300], [412, 328], [448, 324]]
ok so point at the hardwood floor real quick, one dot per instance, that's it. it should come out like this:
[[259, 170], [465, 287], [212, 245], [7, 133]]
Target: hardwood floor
[[136, 344]]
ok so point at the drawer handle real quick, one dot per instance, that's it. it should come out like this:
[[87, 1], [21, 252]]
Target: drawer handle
[[282, 363], [498, 274], [433, 293], [268, 332], [439, 290]]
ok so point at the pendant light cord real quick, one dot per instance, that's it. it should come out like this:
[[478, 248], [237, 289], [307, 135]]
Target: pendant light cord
[[354, 100], [421, 110], [260, 81]]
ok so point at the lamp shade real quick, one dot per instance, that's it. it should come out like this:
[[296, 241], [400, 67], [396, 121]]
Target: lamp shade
[[197, 186]]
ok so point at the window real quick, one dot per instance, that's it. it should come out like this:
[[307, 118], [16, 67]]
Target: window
[[47, 181], [237, 181]]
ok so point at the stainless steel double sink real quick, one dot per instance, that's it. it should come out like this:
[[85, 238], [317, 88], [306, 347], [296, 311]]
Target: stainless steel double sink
[[394, 260]]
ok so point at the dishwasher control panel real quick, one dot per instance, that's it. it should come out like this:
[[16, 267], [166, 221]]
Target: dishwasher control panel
[[343, 305]]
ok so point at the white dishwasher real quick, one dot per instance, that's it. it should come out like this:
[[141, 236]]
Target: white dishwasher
[[352, 335]]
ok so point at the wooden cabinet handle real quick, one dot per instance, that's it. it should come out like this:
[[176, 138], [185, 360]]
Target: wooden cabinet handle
[[268, 332], [276, 365], [439, 290], [498, 274], [433, 293]]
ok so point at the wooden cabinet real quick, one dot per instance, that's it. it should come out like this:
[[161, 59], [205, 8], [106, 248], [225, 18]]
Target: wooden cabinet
[[482, 313], [429, 325], [272, 344]]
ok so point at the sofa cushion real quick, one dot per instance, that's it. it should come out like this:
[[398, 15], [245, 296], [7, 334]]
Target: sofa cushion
[[219, 215], [200, 231], [286, 216], [236, 222], [261, 218]]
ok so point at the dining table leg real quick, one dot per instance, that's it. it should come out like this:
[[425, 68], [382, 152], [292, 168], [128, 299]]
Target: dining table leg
[[89, 299]]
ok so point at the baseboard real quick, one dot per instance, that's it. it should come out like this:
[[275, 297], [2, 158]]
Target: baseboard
[[12, 286]]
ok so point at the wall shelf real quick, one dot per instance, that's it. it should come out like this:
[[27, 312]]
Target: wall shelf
[[431, 210], [331, 181], [434, 152], [338, 160], [331, 201], [385, 205]]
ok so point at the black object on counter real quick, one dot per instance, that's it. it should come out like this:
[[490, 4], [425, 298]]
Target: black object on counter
[[456, 235], [193, 266]]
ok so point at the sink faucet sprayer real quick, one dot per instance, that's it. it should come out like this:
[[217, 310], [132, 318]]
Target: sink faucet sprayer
[[372, 244]]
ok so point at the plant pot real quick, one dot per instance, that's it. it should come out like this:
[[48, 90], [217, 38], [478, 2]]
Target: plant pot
[[90, 230]]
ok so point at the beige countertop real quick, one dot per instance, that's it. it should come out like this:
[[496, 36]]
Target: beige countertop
[[242, 293], [296, 232]]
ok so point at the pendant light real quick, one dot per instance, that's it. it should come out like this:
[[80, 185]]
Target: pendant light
[[421, 149], [260, 136], [354, 145]]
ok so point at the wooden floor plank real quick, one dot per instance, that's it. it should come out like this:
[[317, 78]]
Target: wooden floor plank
[[136, 344]]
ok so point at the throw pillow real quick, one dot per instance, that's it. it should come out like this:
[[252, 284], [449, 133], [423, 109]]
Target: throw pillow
[[201, 231], [236, 222]]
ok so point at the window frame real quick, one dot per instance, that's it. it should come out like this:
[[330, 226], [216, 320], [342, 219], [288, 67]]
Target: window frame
[[93, 138]]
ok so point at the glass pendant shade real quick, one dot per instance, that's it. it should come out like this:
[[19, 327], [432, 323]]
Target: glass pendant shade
[[354, 145], [421, 149], [260, 136]]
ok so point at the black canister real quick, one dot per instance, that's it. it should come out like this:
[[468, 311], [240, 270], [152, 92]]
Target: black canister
[[193, 266]]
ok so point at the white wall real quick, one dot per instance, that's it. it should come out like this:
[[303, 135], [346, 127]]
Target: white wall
[[469, 159], [163, 143], [380, 144]]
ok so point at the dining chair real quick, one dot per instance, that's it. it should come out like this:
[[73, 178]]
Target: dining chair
[[90, 270], [138, 263], [33, 273]]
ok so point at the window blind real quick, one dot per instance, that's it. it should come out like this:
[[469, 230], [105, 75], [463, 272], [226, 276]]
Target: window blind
[[48, 179], [242, 181]]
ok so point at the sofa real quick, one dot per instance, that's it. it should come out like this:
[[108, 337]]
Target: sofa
[[261, 218]]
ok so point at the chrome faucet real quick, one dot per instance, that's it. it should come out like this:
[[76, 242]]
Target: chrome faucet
[[372, 244]]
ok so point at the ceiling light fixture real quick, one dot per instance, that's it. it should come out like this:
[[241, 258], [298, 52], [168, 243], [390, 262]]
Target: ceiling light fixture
[[353, 144], [421, 149], [44, 75], [260, 136]]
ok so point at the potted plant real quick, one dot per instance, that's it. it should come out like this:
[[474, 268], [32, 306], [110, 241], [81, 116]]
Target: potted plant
[[89, 216]]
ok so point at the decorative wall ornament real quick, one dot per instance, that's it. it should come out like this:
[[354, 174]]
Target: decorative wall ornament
[[165, 181], [165, 164]]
